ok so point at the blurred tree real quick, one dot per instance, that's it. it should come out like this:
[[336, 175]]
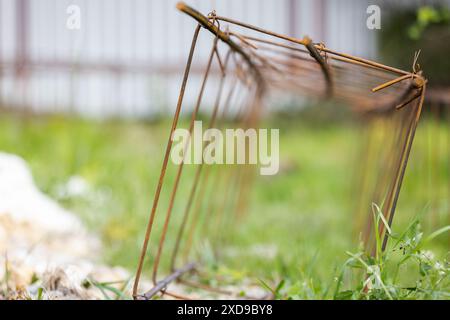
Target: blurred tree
[[426, 29]]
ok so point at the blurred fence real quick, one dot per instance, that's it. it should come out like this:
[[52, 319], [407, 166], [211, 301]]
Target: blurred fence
[[126, 58]]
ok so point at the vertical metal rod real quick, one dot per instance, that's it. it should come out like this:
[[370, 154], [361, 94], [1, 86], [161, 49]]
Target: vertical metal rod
[[180, 167], [199, 168], [165, 162], [405, 156]]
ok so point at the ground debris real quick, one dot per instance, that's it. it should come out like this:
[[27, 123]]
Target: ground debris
[[45, 251]]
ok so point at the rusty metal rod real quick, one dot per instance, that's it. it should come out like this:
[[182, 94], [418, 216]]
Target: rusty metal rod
[[181, 165], [165, 162], [391, 82], [405, 157], [162, 284], [207, 24], [199, 168]]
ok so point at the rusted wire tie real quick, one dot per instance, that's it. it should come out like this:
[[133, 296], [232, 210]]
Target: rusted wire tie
[[322, 62], [212, 16]]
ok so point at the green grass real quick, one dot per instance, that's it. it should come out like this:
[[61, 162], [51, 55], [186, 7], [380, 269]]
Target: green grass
[[300, 224]]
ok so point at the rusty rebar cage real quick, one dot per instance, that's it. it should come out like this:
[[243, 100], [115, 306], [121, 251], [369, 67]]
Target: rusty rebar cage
[[251, 62]]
